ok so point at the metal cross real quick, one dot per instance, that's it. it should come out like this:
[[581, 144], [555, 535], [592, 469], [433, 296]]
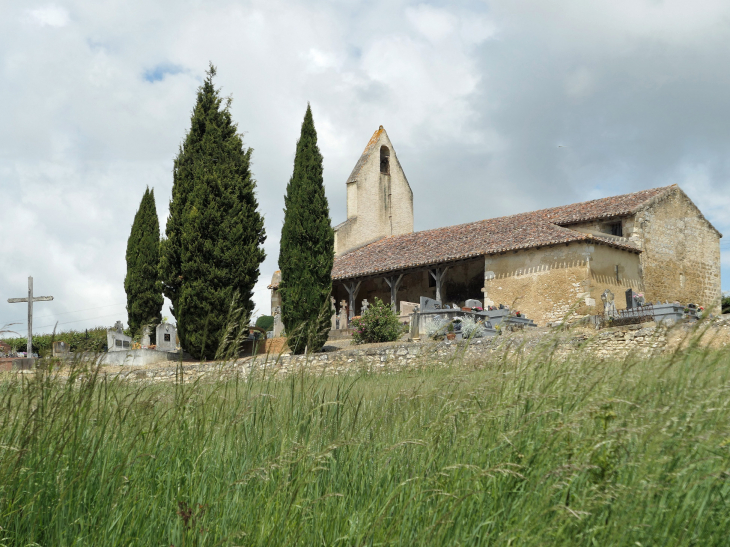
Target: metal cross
[[30, 301]]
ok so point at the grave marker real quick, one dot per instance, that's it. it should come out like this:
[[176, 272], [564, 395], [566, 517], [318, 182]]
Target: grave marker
[[30, 301]]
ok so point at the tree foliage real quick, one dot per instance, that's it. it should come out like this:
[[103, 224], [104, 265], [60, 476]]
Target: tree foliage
[[726, 304], [378, 323], [215, 233], [307, 248], [142, 284], [265, 322]]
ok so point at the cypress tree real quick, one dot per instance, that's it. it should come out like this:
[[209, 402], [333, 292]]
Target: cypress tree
[[142, 284], [307, 248], [215, 233]]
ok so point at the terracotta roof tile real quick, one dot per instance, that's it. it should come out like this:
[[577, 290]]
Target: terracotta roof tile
[[521, 231]]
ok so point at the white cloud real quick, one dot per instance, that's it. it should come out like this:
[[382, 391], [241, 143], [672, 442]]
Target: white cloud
[[49, 16]]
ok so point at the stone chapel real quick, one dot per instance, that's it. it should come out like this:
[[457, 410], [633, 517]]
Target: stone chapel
[[543, 263]]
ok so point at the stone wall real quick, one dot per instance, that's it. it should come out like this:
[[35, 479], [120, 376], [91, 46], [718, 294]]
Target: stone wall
[[681, 252], [548, 283]]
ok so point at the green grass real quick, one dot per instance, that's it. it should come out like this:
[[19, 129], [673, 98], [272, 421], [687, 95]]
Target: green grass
[[510, 451]]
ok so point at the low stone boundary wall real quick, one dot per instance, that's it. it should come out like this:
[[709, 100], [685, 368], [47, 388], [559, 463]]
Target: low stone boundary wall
[[613, 343]]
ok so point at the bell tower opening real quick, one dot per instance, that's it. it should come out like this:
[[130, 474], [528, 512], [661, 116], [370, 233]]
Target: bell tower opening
[[385, 160]]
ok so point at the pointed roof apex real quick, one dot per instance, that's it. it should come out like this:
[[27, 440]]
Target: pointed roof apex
[[366, 153]]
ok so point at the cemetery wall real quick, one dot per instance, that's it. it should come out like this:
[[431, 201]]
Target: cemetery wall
[[614, 343], [681, 258]]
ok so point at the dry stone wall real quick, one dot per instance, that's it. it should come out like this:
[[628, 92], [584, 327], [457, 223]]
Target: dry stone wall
[[613, 343]]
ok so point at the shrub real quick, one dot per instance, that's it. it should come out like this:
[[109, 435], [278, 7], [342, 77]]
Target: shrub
[[470, 327], [377, 324], [726, 304], [437, 327]]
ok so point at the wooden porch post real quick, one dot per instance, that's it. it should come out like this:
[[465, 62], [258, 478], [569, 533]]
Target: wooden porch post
[[394, 282], [352, 288], [438, 275]]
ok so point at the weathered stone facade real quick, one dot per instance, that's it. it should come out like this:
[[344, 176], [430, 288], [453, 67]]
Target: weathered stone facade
[[379, 198], [680, 257]]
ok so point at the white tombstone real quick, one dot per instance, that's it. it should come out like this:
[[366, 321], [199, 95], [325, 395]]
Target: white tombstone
[[146, 342], [471, 303], [116, 340], [166, 337], [343, 314], [278, 323], [609, 306], [333, 317]]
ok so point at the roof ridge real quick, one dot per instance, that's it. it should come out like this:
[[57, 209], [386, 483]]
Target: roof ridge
[[366, 153]]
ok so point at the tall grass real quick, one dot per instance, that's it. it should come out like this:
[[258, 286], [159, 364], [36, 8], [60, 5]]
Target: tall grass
[[507, 451]]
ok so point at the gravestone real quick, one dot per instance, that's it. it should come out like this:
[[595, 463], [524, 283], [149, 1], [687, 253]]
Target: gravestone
[[429, 304], [609, 306], [343, 314], [278, 323], [629, 299], [166, 337], [333, 317], [471, 303], [146, 342], [60, 348], [116, 340]]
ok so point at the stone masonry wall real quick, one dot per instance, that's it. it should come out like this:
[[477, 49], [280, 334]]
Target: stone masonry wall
[[378, 205], [542, 283], [613, 343], [681, 252]]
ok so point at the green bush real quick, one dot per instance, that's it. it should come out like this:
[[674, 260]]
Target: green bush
[[377, 324], [726, 304], [265, 322]]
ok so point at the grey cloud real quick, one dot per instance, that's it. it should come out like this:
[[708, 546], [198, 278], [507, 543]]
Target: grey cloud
[[476, 97]]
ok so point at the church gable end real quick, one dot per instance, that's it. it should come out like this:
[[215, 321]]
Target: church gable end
[[379, 198]]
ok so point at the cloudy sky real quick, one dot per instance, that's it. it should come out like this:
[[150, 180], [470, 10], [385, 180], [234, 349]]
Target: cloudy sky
[[494, 107]]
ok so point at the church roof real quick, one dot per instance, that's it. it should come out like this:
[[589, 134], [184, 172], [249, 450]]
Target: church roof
[[496, 235]]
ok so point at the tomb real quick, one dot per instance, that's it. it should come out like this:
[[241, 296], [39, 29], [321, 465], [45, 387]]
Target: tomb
[[116, 340], [166, 335]]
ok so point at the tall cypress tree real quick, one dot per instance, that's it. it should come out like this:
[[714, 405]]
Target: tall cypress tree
[[307, 248], [215, 233], [142, 284]]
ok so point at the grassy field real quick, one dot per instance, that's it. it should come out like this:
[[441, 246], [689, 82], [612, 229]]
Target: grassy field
[[511, 451]]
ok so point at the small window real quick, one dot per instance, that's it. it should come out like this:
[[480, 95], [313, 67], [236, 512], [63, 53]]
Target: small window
[[167, 338], [616, 229], [384, 160]]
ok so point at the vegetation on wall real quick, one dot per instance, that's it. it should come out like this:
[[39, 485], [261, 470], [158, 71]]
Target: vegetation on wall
[[142, 284], [307, 248], [378, 323], [214, 234]]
